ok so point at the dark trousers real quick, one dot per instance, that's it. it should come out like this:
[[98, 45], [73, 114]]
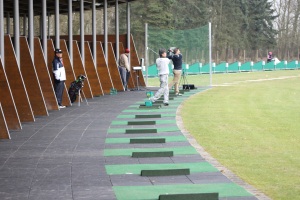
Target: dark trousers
[[124, 76], [59, 89]]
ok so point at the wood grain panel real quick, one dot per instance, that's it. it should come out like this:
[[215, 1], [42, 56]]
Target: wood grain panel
[[91, 71], [70, 74], [31, 80], [103, 70], [44, 76], [8, 103], [50, 46], [79, 69], [4, 133], [135, 61], [16, 83], [113, 68]]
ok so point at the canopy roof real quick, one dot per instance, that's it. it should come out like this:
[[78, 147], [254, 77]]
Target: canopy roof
[[63, 6]]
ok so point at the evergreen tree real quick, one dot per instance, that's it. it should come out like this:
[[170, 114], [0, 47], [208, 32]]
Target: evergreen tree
[[261, 33]]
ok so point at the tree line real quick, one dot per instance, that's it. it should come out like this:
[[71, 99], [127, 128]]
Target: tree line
[[241, 29]]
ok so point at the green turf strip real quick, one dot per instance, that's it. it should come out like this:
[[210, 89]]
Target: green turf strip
[[137, 168], [157, 122], [128, 152], [179, 138], [152, 192], [163, 109], [133, 116], [159, 130]]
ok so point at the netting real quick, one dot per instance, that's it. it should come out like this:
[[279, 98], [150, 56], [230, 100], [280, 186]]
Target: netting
[[193, 45]]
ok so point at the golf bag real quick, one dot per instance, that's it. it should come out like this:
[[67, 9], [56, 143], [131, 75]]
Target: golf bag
[[75, 87]]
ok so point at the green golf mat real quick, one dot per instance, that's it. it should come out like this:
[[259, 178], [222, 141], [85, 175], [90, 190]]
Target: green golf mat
[[162, 115], [137, 168], [152, 154], [192, 196], [179, 138], [128, 152], [153, 192], [140, 122], [147, 140], [145, 130]]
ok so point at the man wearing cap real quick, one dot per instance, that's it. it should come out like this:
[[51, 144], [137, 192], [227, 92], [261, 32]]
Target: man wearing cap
[[59, 75], [124, 68]]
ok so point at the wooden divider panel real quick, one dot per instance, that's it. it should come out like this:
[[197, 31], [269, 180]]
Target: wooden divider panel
[[44, 76], [8, 103], [132, 74], [79, 69], [31, 80], [103, 70], [91, 71], [70, 74], [135, 61], [50, 46], [4, 133], [113, 68], [16, 83]]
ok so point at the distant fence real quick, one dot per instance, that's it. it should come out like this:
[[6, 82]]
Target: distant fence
[[235, 67]]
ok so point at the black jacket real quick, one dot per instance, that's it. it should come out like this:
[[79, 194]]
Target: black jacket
[[177, 61]]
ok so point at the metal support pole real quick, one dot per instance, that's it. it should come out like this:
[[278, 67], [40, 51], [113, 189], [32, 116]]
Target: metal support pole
[[44, 29], [2, 31], [30, 27], [105, 29], [128, 31], [117, 30], [82, 31], [94, 32], [17, 30], [146, 52], [57, 36], [70, 30], [210, 51]]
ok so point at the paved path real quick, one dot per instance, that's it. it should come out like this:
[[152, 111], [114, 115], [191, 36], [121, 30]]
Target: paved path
[[83, 153]]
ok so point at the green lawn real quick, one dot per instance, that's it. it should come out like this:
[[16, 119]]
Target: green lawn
[[252, 128]]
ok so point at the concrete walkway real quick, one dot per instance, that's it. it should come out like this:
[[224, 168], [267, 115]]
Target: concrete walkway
[[67, 155]]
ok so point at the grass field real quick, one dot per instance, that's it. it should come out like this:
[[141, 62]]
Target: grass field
[[251, 127]]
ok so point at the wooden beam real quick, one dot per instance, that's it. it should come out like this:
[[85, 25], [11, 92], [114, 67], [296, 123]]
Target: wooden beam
[[31, 80], [44, 76], [80, 70], [91, 71], [4, 133], [16, 82], [113, 68], [103, 70], [8, 102], [136, 62]]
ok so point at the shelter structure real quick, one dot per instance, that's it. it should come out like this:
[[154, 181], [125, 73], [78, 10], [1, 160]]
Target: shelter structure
[[26, 59]]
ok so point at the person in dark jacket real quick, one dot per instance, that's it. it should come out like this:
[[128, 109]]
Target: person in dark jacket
[[59, 75], [269, 57], [176, 58]]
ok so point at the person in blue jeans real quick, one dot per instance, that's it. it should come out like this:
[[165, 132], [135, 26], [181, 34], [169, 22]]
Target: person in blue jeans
[[162, 64]]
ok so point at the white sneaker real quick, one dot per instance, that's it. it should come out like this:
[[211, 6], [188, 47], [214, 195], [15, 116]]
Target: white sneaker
[[178, 94], [62, 106]]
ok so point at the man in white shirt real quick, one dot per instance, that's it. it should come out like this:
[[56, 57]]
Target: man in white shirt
[[162, 64]]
